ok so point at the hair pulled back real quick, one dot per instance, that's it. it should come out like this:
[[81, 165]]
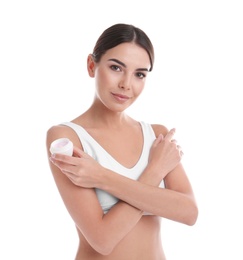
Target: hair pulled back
[[121, 33]]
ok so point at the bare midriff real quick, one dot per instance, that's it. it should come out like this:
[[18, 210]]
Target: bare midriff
[[143, 242]]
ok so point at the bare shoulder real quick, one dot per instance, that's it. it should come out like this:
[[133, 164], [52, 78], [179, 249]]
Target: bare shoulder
[[160, 129], [57, 131]]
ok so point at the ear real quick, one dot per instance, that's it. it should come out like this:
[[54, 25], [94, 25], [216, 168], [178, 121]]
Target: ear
[[91, 66]]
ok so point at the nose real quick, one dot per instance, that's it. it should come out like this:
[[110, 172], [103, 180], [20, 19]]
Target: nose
[[125, 82]]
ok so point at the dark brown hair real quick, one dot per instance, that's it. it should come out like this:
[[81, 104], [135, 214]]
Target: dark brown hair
[[120, 33]]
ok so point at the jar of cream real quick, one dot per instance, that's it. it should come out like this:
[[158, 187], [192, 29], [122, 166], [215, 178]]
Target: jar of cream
[[62, 146]]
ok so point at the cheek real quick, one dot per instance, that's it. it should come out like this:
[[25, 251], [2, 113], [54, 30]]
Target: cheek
[[138, 89], [103, 77]]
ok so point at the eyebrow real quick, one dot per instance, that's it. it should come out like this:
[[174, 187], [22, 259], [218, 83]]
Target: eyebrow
[[124, 65]]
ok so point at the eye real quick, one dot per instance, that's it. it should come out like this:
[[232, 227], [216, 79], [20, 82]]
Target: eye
[[115, 68], [140, 75]]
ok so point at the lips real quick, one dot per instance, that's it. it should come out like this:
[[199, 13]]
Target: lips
[[120, 97]]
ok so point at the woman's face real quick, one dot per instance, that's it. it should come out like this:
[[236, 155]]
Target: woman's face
[[120, 75]]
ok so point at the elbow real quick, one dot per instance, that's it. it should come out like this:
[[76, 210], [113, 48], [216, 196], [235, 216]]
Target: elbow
[[191, 216], [103, 246], [105, 251]]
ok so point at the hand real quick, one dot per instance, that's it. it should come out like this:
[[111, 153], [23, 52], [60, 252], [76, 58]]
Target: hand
[[165, 154], [80, 168]]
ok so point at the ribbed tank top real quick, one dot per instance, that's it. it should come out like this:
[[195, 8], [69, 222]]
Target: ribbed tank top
[[95, 150]]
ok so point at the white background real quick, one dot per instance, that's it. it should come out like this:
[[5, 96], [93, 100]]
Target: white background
[[196, 86]]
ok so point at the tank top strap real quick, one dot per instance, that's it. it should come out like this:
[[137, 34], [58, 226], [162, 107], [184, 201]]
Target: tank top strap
[[86, 140]]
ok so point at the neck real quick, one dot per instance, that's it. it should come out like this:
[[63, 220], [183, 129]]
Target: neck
[[102, 116]]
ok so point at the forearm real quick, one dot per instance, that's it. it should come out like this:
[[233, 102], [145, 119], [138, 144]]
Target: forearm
[[147, 197], [114, 226], [120, 220], [123, 217]]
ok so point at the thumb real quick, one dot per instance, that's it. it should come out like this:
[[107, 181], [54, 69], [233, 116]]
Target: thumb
[[77, 152]]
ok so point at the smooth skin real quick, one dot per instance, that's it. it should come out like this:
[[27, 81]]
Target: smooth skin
[[124, 232]]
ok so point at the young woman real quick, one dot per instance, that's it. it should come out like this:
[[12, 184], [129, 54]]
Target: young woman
[[124, 175]]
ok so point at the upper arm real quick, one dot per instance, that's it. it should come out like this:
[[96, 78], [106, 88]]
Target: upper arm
[[177, 180], [76, 199]]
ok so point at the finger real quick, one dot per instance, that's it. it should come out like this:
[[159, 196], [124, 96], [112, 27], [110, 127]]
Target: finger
[[63, 166], [59, 160], [159, 138], [170, 134], [180, 150], [79, 152], [57, 157], [174, 141], [56, 162]]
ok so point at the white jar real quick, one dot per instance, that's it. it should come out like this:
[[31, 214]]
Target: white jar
[[62, 146]]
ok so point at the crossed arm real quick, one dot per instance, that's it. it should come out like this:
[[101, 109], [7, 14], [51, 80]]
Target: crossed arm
[[77, 176]]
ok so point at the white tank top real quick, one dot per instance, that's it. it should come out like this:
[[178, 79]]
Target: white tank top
[[94, 149]]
